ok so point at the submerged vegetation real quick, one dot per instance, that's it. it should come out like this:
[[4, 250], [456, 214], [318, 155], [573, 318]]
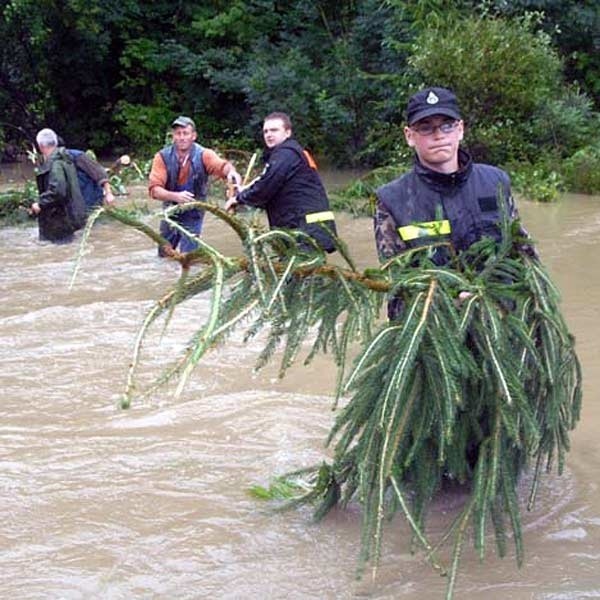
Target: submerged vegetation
[[358, 197], [14, 204], [471, 389]]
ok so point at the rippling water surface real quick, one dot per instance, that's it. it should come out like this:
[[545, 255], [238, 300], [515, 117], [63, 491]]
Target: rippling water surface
[[152, 502]]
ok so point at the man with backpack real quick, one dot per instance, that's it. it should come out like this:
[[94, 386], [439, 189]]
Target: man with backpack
[[60, 207]]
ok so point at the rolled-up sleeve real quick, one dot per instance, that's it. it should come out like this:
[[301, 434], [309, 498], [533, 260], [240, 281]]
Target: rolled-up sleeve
[[158, 174], [215, 165]]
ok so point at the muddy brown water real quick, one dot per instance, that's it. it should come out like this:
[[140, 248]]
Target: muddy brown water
[[152, 502]]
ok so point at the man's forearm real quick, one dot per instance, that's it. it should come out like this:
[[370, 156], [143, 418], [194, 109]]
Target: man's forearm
[[387, 239], [164, 195]]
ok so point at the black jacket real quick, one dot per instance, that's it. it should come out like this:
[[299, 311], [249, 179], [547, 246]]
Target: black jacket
[[427, 206], [291, 192]]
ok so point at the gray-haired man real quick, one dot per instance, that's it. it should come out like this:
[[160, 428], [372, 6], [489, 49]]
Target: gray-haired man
[[60, 207]]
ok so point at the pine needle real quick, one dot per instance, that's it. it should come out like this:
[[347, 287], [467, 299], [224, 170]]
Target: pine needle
[[463, 391]]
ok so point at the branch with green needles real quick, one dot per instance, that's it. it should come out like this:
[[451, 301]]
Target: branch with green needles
[[461, 389]]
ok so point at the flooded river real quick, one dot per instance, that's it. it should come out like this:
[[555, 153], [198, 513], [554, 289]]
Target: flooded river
[[152, 502]]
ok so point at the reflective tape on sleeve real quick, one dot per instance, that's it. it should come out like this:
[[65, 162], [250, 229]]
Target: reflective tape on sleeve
[[317, 217], [428, 229]]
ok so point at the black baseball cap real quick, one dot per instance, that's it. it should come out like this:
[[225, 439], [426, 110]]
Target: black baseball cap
[[182, 121], [432, 101]]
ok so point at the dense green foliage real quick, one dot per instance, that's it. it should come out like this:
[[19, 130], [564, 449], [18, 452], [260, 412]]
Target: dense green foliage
[[111, 76]]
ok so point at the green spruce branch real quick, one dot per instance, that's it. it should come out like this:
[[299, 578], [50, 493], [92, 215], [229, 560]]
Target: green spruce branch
[[476, 381], [264, 288]]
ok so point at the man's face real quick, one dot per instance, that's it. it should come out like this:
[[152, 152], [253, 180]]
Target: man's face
[[274, 132], [183, 138], [46, 151], [436, 140]]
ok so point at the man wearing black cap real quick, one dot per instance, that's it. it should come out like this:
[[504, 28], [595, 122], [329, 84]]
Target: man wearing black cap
[[445, 196], [179, 175]]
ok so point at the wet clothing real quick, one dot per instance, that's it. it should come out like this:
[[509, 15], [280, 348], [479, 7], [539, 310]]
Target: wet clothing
[[91, 176], [195, 182], [191, 174], [425, 206], [197, 177], [60, 200], [292, 193]]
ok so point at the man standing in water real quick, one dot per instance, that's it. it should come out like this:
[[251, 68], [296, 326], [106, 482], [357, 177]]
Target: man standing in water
[[60, 207], [179, 175], [445, 196], [289, 187]]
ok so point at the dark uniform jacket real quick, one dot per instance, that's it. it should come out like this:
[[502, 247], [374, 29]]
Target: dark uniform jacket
[[61, 203], [424, 206], [291, 191]]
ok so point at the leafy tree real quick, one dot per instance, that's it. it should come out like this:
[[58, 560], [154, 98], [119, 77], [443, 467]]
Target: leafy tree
[[56, 71], [113, 75], [23, 93], [337, 65], [574, 26]]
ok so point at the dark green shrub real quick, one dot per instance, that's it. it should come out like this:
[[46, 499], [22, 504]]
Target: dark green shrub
[[147, 127], [540, 181], [564, 124], [358, 197], [14, 204], [581, 171]]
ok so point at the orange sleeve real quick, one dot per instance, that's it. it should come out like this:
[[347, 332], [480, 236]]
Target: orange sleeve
[[214, 164], [158, 174]]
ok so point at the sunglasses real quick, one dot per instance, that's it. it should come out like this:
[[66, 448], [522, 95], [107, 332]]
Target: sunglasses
[[430, 128]]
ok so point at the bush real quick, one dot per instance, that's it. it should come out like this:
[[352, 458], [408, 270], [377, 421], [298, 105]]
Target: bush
[[540, 181], [147, 127], [564, 124], [581, 171], [14, 204], [358, 197]]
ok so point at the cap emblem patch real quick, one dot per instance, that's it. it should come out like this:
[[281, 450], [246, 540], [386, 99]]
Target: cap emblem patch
[[432, 98]]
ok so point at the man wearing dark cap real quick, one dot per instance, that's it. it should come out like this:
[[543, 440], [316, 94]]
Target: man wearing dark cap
[[179, 175], [445, 196]]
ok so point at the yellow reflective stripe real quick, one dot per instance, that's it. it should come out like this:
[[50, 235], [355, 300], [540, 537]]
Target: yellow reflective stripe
[[428, 229], [326, 215]]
